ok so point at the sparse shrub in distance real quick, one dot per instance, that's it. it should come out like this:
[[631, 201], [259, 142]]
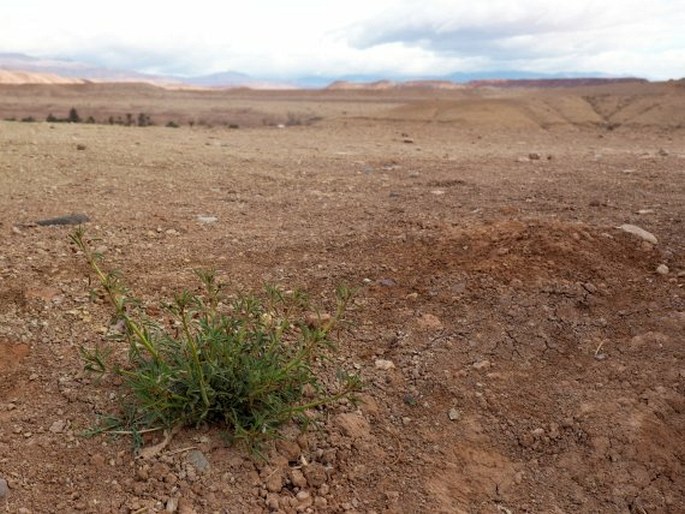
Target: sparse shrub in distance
[[144, 120], [28, 119], [233, 126], [90, 120], [110, 120], [172, 124], [293, 120], [52, 118], [73, 116], [244, 362]]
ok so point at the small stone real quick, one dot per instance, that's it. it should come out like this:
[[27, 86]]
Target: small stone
[[290, 449], [98, 460], [4, 489], [71, 219], [639, 232], [534, 156], [387, 282], [430, 322], [662, 152], [143, 473], [272, 501], [297, 478], [315, 474], [80, 146], [58, 426], [274, 482], [408, 140], [171, 505], [480, 365], [590, 287], [206, 220], [304, 498], [454, 415], [645, 211], [197, 459], [662, 269], [185, 507], [384, 365], [353, 425], [320, 502]]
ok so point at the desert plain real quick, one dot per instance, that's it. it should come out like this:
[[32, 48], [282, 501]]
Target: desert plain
[[519, 350]]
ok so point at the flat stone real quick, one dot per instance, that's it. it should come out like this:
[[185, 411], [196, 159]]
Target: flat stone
[[353, 425], [662, 269], [384, 365], [484, 364], [639, 232], [4, 489], [70, 219], [453, 414], [197, 459]]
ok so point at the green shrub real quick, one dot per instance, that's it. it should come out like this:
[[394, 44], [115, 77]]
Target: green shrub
[[245, 364]]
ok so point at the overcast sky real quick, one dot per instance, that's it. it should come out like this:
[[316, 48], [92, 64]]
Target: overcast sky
[[279, 38]]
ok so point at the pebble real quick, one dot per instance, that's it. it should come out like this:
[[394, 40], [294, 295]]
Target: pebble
[[639, 232], [272, 501], [171, 505], [4, 489], [430, 322], [197, 459], [534, 156], [484, 364], [384, 365], [304, 498], [662, 269], [297, 478], [315, 474], [207, 219], [454, 415], [58, 426], [274, 482]]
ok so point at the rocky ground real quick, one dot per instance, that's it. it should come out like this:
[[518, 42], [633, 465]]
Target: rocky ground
[[520, 352]]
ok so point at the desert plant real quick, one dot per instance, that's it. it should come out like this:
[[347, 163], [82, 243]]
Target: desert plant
[[245, 364], [73, 116], [172, 124]]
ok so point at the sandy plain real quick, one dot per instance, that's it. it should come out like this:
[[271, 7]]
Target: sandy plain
[[538, 354]]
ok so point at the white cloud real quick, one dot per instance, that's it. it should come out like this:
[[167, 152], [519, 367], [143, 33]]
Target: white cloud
[[430, 37]]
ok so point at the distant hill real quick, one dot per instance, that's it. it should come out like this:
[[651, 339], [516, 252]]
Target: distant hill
[[19, 68], [26, 77], [547, 83], [498, 83]]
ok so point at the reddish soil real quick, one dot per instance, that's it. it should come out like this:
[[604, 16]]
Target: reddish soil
[[538, 355]]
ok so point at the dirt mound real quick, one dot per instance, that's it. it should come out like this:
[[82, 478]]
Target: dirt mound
[[472, 112], [655, 107]]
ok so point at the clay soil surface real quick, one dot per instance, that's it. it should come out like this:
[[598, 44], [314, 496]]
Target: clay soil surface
[[537, 355]]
